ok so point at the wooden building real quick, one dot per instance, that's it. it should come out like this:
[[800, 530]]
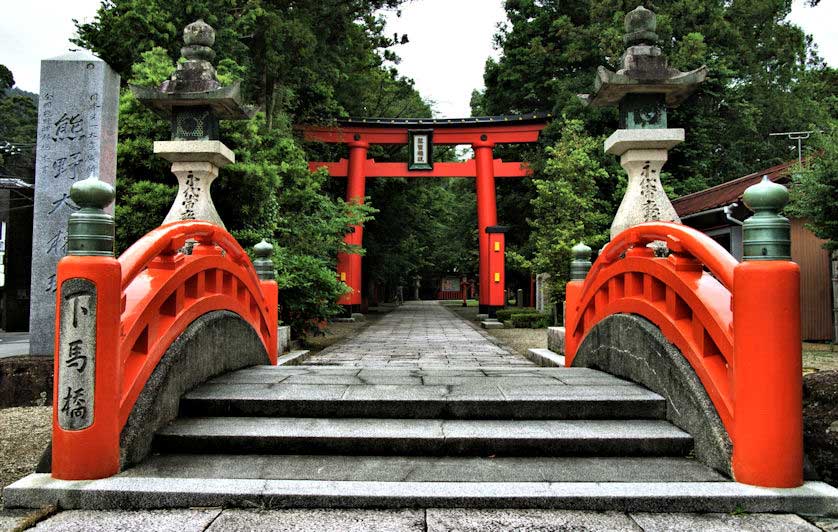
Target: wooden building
[[718, 211]]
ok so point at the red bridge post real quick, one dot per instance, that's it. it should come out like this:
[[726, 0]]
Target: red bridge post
[[579, 268], [86, 398], [264, 266], [767, 373]]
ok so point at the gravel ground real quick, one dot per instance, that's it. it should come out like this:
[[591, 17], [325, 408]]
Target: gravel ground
[[516, 340], [819, 357], [519, 340], [24, 434]]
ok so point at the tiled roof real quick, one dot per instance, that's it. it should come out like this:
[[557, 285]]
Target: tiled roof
[[729, 192], [446, 122]]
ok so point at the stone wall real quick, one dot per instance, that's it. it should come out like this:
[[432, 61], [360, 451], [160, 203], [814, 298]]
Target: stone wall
[[633, 348]]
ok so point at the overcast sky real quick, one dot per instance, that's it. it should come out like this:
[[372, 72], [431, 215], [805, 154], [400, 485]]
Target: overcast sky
[[449, 41]]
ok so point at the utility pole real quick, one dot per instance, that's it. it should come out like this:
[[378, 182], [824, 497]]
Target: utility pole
[[799, 136]]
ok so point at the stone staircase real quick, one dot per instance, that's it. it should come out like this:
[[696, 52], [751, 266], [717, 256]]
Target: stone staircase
[[338, 436]]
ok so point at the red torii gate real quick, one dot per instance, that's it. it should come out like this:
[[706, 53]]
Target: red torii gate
[[482, 133]]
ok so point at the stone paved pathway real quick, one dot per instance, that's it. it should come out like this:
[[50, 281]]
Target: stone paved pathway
[[430, 520], [418, 334]]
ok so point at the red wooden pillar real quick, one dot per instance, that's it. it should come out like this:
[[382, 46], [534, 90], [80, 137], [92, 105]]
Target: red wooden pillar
[[349, 264], [486, 215]]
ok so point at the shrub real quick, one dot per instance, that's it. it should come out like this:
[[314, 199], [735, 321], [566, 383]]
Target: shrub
[[530, 320], [504, 314]]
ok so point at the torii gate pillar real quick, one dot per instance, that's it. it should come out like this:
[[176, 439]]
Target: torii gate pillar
[[349, 264], [486, 217]]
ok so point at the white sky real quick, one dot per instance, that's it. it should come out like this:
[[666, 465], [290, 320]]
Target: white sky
[[449, 41]]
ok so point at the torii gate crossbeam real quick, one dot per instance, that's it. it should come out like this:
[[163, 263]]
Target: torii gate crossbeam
[[482, 133]]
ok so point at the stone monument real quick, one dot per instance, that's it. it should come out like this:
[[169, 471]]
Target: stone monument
[[194, 101], [643, 89], [542, 293], [77, 129]]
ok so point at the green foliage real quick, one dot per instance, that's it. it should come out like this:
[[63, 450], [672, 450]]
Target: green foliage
[[504, 314], [7, 80], [529, 319], [523, 318], [424, 228], [311, 60], [154, 68], [759, 81], [569, 205], [19, 126], [814, 191], [142, 207], [20, 119], [297, 62]]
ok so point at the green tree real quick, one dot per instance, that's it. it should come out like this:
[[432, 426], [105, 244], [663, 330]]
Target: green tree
[[298, 62], [760, 81], [19, 126], [568, 206], [7, 80], [815, 188], [765, 76]]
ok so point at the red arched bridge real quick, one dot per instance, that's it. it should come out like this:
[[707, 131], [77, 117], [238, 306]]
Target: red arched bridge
[[715, 343]]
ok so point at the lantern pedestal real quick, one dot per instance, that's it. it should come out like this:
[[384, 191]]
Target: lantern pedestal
[[195, 163], [643, 153]]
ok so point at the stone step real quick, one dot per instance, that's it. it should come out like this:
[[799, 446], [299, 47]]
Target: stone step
[[129, 492], [523, 393], [427, 468], [418, 401], [364, 436]]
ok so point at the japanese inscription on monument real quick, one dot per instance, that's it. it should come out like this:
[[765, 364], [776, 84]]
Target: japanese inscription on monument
[[77, 123], [77, 354]]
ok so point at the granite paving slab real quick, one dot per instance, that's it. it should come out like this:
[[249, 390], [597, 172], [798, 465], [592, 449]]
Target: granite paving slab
[[423, 436], [716, 522], [320, 520], [120, 492], [11, 519], [461, 520], [427, 468], [415, 520], [191, 520]]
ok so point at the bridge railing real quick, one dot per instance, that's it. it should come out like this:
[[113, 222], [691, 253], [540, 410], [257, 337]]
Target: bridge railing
[[737, 324], [116, 318]]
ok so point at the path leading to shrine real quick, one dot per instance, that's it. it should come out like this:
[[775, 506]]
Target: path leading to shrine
[[418, 334]]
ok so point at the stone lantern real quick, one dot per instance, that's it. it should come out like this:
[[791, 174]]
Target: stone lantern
[[643, 89], [194, 101]]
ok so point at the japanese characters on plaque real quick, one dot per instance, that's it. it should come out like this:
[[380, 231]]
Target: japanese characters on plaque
[[421, 150], [76, 354], [77, 128]]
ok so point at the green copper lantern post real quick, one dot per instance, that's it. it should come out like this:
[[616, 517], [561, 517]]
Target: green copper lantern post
[[263, 251], [581, 263], [90, 231], [766, 234]]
